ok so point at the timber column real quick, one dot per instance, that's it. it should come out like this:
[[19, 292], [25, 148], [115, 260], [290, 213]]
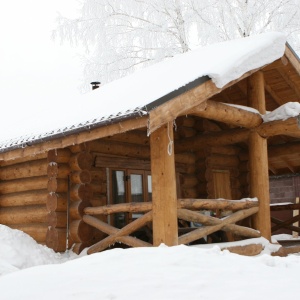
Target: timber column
[[258, 159], [164, 197]]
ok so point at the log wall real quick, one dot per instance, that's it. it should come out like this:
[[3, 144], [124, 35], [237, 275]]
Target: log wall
[[23, 196], [58, 171]]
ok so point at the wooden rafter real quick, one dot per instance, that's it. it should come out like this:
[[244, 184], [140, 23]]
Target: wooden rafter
[[273, 94], [290, 82]]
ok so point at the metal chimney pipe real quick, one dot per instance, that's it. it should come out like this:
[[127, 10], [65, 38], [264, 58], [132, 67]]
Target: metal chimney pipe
[[95, 84]]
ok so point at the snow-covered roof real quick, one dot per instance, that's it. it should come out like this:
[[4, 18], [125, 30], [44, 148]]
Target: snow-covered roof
[[140, 92]]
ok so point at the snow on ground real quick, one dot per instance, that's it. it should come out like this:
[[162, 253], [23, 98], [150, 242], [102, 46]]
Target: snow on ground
[[161, 273]]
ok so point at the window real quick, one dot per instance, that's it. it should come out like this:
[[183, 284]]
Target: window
[[129, 186]]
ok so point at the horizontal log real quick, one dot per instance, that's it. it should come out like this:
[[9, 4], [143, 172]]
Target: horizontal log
[[108, 229], [121, 162], [222, 160], [132, 137], [185, 158], [187, 121], [83, 176], [117, 208], [24, 184], [79, 147], [289, 127], [77, 138], [99, 173], [83, 192], [37, 231], [185, 132], [227, 150], [56, 239], [24, 170], [188, 181], [15, 161], [81, 161], [23, 215], [228, 114], [81, 231], [222, 138], [58, 170], [99, 187], [57, 219], [57, 185], [192, 204], [213, 204], [57, 202], [128, 229], [59, 155], [283, 150], [190, 192], [24, 198], [206, 230]]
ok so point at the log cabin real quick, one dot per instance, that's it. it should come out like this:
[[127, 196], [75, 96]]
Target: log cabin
[[185, 153]]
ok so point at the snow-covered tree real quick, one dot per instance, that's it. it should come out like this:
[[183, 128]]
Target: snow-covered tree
[[121, 36]]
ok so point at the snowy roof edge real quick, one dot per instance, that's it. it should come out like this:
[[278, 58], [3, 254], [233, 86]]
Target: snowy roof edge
[[25, 141]]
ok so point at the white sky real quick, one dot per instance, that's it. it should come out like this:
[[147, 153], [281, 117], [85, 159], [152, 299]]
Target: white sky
[[35, 71]]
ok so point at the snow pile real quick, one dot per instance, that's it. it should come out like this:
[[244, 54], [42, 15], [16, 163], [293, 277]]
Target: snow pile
[[288, 110], [159, 273], [19, 251]]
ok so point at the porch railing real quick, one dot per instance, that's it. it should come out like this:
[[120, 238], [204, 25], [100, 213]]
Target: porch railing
[[187, 210]]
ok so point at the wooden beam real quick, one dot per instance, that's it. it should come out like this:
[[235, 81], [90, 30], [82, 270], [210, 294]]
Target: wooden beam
[[227, 114], [284, 149], [277, 64], [289, 127], [258, 159], [273, 94], [292, 59], [78, 138], [170, 110], [164, 198], [256, 92]]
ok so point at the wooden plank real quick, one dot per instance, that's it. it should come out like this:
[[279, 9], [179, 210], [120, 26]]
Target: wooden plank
[[164, 198]]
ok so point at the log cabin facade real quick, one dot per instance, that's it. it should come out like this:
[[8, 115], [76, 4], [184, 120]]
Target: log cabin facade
[[147, 176]]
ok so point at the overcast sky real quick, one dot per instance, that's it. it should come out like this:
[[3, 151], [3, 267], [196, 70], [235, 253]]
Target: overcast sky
[[36, 73]]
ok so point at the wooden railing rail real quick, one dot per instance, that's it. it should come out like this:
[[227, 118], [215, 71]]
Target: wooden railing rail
[[290, 223]]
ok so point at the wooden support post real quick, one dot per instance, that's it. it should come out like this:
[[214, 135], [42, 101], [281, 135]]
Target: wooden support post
[[258, 159], [164, 197]]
